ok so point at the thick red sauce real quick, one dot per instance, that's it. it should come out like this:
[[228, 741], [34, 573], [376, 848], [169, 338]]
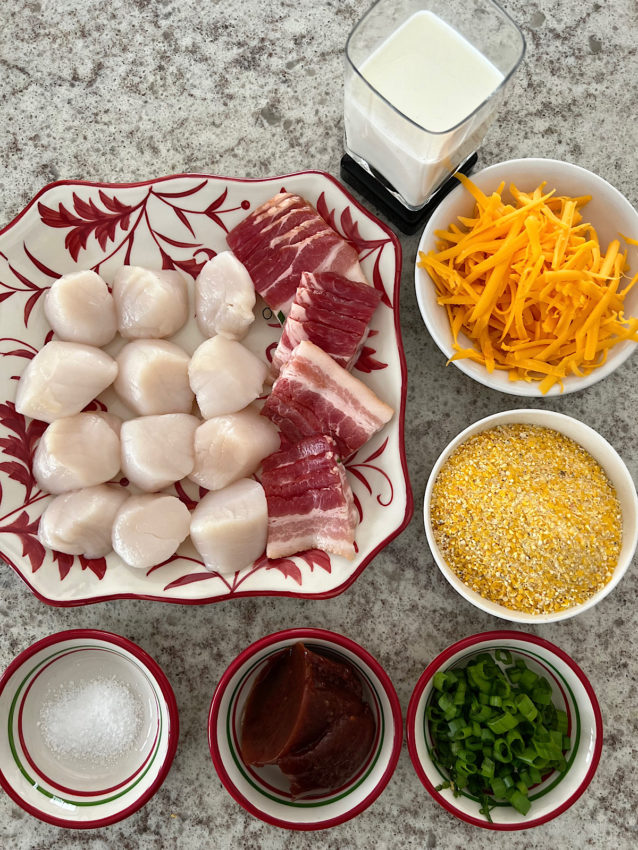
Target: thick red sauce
[[306, 713]]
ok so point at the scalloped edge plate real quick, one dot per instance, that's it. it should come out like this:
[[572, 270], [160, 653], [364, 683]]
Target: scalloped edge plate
[[179, 221]]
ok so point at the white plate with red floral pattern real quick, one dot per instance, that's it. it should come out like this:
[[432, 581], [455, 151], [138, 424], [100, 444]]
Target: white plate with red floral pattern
[[180, 222]]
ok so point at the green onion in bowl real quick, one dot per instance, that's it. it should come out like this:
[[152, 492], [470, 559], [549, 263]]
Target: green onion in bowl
[[522, 727], [495, 730]]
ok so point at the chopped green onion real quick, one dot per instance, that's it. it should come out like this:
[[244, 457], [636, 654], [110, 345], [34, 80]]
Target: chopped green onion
[[502, 750], [526, 707], [495, 731], [520, 801], [502, 723]]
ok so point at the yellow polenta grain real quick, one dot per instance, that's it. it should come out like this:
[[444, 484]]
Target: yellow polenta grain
[[527, 518]]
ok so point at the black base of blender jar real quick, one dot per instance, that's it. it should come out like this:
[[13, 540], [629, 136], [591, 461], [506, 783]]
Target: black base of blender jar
[[374, 190]]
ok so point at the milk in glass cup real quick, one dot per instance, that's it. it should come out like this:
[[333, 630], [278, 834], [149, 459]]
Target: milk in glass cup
[[423, 81]]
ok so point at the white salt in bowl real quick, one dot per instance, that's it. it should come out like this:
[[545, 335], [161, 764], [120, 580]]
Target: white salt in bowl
[[66, 778], [608, 211], [571, 692], [601, 451], [264, 792]]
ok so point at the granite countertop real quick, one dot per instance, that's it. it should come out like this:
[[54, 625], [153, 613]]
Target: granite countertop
[[131, 90]]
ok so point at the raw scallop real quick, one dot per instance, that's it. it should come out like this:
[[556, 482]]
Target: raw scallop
[[158, 450], [225, 376], [149, 304], [224, 297], [62, 378], [77, 451], [80, 308], [153, 377], [148, 529], [228, 527], [231, 447], [80, 522]]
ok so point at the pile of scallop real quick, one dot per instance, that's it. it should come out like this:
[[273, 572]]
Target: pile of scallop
[[274, 473]]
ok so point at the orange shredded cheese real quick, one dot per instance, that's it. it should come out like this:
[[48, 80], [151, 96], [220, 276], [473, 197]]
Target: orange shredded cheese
[[530, 286]]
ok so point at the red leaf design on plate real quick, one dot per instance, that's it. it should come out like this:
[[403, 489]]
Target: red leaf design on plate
[[219, 200], [191, 267], [167, 263], [327, 215], [361, 477], [19, 445], [207, 252], [286, 567], [377, 282], [96, 565], [28, 307], [192, 191], [181, 215], [175, 242], [89, 219], [357, 505], [113, 204], [216, 204], [317, 558], [367, 363], [95, 404], [65, 562], [289, 569], [355, 466], [26, 529], [350, 230], [377, 453], [189, 579], [183, 496], [16, 471], [25, 280], [20, 352], [40, 265], [5, 295], [57, 218]]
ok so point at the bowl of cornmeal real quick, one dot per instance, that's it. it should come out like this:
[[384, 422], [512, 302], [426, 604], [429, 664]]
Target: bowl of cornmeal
[[531, 515]]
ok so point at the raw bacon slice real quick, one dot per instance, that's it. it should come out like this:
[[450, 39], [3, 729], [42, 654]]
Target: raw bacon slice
[[314, 395], [335, 318], [243, 236], [283, 238], [310, 503]]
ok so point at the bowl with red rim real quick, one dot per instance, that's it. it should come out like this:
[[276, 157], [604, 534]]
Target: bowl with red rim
[[100, 772], [265, 792], [571, 691]]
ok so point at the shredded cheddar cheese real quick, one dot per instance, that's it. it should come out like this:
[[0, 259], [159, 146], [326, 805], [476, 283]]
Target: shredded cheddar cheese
[[530, 286]]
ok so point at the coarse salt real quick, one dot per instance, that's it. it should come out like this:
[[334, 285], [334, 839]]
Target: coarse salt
[[94, 720]]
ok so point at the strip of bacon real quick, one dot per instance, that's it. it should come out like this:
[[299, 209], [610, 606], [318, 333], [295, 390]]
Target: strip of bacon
[[283, 238], [310, 503], [314, 395], [331, 311]]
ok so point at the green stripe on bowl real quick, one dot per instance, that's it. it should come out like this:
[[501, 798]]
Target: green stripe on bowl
[[299, 804], [56, 798], [574, 748]]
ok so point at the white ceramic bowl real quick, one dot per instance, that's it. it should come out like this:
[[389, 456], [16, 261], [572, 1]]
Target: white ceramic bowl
[[263, 792], [601, 451], [571, 691], [60, 789], [609, 212]]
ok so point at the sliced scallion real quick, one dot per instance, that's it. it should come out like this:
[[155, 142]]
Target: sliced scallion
[[495, 731]]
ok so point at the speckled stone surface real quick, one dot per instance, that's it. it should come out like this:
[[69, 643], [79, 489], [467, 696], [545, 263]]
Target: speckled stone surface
[[131, 90]]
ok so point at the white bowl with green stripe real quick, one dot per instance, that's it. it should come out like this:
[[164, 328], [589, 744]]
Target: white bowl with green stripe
[[265, 792], [571, 692], [64, 786]]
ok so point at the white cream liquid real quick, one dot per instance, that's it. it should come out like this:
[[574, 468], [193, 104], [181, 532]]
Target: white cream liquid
[[432, 75]]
